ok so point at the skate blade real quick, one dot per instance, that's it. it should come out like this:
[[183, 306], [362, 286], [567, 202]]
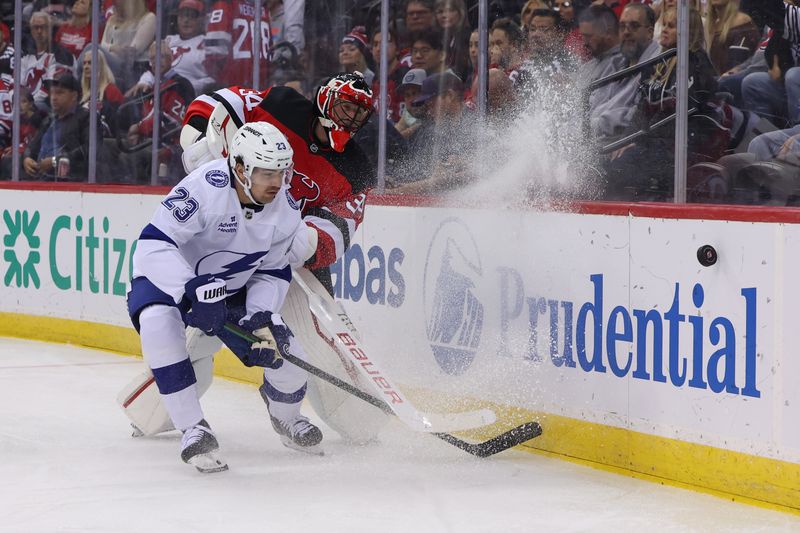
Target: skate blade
[[208, 463], [311, 450], [136, 432]]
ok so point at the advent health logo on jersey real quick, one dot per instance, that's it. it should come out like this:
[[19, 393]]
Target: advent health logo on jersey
[[71, 252]]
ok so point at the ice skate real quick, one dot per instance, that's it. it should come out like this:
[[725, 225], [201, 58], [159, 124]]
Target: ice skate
[[201, 450], [297, 433]]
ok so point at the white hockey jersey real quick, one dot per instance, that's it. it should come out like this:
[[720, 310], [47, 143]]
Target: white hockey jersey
[[202, 228]]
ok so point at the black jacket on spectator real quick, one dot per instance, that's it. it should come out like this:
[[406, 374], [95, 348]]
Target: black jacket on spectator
[[769, 12], [645, 171], [74, 137]]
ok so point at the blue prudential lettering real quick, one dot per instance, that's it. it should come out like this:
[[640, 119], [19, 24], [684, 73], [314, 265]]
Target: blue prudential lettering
[[646, 331]]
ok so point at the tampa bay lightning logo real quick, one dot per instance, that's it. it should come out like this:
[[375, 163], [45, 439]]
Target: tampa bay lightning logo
[[294, 205], [217, 178], [234, 267], [453, 314]]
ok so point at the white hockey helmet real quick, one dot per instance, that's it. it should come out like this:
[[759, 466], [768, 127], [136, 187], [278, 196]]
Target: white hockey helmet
[[260, 145]]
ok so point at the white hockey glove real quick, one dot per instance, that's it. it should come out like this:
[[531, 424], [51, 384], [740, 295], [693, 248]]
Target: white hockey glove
[[303, 247], [196, 155]]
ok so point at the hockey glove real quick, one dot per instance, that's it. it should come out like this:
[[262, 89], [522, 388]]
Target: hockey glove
[[275, 336], [207, 295]]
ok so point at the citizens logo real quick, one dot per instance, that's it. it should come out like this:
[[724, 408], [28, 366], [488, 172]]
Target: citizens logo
[[453, 314], [21, 254], [72, 253]]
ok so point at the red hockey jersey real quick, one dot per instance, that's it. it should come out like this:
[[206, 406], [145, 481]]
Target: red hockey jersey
[[229, 42]]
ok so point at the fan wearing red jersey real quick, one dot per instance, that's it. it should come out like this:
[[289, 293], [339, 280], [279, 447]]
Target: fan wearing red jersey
[[230, 35]]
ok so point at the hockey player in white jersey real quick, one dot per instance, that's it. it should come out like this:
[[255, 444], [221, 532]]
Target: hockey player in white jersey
[[216, 250]]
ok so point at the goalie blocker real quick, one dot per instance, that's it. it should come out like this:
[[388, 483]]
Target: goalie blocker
[[354, 420]]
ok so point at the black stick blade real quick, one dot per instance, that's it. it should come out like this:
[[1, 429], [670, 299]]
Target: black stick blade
[[502, 442]]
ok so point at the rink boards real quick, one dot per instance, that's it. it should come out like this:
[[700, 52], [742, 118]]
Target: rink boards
[[599, 321]]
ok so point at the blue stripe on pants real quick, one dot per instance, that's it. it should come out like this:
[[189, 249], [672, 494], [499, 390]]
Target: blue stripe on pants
[[283, 397], [174, 377]]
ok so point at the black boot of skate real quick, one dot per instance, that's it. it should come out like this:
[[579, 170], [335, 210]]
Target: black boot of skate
[[298, 433], [201, 450]]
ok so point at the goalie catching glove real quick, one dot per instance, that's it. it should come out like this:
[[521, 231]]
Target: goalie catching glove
[[275, 338]]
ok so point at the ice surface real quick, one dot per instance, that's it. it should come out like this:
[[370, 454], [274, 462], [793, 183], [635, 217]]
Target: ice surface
[[70, 465]]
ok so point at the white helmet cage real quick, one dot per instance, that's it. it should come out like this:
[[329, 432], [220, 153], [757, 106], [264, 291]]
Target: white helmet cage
[[260, 145]]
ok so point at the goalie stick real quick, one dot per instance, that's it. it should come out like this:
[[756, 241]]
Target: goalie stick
[[504, 441], [346, 340]]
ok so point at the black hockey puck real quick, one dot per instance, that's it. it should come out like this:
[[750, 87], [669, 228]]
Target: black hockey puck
[[707, 255]]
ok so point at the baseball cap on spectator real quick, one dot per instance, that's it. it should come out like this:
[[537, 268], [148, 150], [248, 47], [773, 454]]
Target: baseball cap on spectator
[[67, 81], [437, 84], [195, 5], [415, 76]]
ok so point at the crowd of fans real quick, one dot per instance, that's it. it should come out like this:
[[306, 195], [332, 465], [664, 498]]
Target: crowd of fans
[[552, 55]]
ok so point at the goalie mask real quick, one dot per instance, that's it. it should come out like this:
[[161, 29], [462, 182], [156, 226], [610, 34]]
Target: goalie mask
[[344, 105], [260, 145]]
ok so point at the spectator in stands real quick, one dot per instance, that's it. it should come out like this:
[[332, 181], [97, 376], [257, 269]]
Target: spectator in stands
[[420, 16], [30, 121], [473, 62], [176, 94], [65, 133], [229, 43], [427, 52], [600, 30], [45, 62], [287, 23], [568, 25], [614, 5], [451, 17], [506, 47], [550, 66], [775, 93], [188, 53], [128, 34], [410, 116], [731, 36], [110, 97], [76, 32], [354, 54], [501, 99], [527, 12], [776, 144], [395, 77], [613, 116], [58, 10], [646, 168], [437, 149], [6, 51], [545, 45]]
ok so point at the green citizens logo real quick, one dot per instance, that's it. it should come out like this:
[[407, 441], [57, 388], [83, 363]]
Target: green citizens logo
[[21, 254], [81, 254]]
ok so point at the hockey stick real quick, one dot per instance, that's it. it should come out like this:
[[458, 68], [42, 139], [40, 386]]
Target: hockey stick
[[346, 340], [504, 441]]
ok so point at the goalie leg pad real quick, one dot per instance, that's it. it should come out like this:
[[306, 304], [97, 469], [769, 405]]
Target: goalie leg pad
[[350, 417], [140, 399]]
